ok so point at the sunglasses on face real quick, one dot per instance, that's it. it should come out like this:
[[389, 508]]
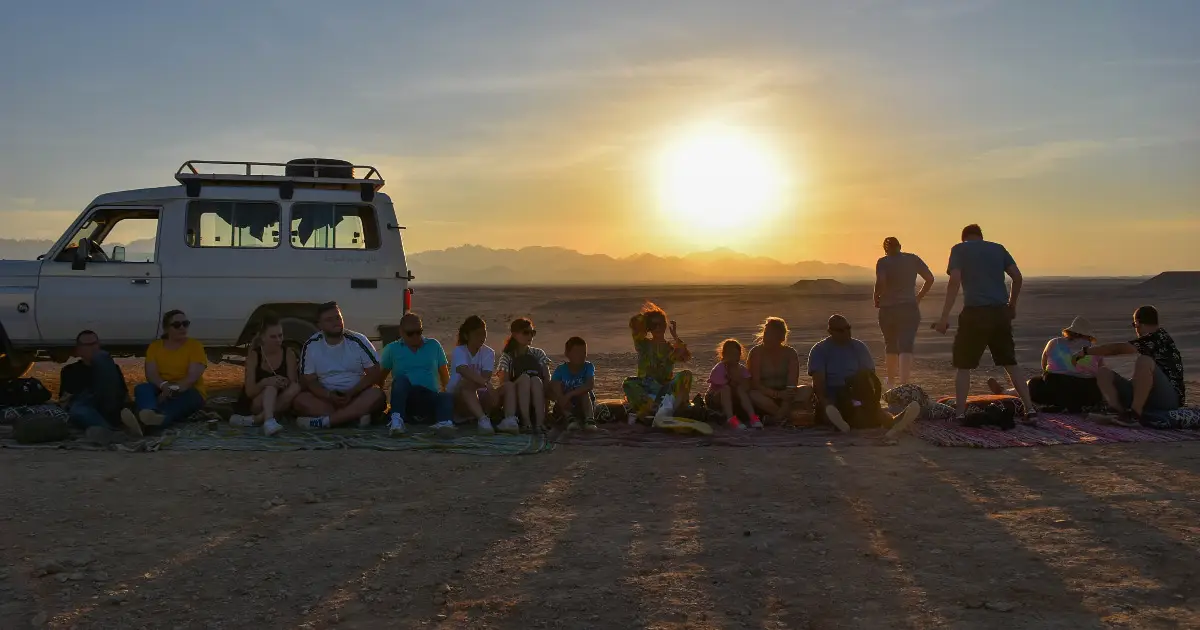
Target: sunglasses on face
[[181, 324], [413, 333]]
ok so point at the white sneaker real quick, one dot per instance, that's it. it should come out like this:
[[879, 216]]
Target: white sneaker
[[271, 427], [310, 422], [835, 418], [509, 425], [666, 408], [444, 429], [633, 418], [396, 425], [238, 420], [485, 427], [904, 419]]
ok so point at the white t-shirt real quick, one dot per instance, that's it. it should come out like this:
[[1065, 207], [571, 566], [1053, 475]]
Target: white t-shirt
[[338, 367], [482, 361]]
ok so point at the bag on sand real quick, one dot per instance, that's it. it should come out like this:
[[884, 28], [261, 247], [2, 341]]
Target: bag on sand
[[17, 392], [40, 428]]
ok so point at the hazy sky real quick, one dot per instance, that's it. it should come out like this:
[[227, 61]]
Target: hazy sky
[[1070, 130]]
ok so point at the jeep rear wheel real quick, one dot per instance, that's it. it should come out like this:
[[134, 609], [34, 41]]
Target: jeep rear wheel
[[296, 331]]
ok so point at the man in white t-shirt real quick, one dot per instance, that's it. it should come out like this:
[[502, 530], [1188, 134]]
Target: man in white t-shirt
[[340, 372]]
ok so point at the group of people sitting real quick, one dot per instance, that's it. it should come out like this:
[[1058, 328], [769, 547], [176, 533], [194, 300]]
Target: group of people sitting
[[338, 377]]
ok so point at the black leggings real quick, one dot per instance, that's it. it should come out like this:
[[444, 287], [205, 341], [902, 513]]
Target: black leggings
[[1072, 393]]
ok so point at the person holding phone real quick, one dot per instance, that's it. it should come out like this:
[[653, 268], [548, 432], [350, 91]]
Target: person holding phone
[[271, 382], [657, 383], [340, 375]]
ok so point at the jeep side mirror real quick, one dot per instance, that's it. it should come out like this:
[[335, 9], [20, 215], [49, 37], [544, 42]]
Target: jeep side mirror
[[118, 254], [82, 251]]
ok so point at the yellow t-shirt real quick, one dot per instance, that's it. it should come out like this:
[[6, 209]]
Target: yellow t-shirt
[[173, 364]]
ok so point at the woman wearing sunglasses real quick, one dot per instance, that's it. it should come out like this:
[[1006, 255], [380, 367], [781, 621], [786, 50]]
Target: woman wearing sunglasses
[[524, 371], [174, 387]]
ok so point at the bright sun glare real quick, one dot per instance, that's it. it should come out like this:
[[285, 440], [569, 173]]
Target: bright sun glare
[[718, 177]]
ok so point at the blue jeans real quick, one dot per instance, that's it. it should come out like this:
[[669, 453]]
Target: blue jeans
[[83, 412], [411, 401], [176, 409]]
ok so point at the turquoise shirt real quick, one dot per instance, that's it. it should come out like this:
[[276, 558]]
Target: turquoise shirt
[[420, 366]]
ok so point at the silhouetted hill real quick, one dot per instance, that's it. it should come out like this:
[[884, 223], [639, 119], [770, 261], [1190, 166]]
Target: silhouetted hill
[[473, 264], [1170, 282]]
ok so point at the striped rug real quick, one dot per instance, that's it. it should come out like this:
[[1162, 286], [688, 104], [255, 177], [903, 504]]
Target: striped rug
[[1052, 430]]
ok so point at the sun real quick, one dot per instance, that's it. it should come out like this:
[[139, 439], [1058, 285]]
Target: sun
[[718, 177]]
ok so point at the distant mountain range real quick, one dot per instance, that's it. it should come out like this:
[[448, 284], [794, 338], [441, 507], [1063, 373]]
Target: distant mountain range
[[474, 264]]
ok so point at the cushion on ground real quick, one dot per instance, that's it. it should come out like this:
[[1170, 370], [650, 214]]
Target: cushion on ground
[[10, 415], [976, 404]]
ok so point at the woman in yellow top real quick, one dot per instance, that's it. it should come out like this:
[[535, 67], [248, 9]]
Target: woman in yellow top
[[174, 387]]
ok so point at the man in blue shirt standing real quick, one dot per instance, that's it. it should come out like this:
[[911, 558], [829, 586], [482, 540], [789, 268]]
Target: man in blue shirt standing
[[420, 374], [985, 322], [845, 384]]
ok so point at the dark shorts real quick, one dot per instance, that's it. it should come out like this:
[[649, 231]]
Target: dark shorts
[[1163, 396], [984, 328], [899, 324]]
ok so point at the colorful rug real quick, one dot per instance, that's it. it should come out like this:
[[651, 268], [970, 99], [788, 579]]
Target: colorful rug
[[1052, 430], [623, 434]]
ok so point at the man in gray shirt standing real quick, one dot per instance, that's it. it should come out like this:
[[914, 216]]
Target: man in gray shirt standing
[[985, 322]]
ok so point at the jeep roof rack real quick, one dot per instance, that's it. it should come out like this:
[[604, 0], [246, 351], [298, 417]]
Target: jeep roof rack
[[194, 174]]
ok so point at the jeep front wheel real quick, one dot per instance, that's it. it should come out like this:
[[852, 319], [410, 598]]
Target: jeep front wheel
[[14, 365]]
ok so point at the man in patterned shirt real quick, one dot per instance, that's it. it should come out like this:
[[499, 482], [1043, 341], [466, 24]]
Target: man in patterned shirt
[[1157, 383]]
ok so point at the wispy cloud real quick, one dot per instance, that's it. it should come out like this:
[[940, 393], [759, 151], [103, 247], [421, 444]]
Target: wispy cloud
[[939, 10], [696, 70]]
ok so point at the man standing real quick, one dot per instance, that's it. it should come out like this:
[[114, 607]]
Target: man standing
[[93, 388], [985, 322], [1157, 384], [340, 373], [846, 386], [420, 374]]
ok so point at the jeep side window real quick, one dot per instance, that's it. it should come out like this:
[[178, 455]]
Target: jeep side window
[[116, 235], [334, 226], [246, 224]]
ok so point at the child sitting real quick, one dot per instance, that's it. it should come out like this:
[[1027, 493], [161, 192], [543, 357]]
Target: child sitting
[[656, 381], [573, 385], [728, 382]]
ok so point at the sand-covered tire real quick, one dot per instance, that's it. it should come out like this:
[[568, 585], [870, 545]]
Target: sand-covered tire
[[296, 331], [15, 366]]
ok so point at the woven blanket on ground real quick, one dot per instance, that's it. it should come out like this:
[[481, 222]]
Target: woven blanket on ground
[[202, 437], [623, 434], [1052, 429]]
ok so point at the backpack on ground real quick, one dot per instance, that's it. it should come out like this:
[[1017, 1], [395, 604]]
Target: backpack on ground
[[17, 392]]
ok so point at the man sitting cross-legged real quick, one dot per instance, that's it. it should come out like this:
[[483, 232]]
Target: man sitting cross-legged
[[419, 378], [845, 384], [1157, 383], [340, 373]]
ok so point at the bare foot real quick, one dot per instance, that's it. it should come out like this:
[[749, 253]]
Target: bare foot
[[995, 387]]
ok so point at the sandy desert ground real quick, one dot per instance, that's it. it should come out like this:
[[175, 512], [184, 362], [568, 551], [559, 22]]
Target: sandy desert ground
[[910, 536]]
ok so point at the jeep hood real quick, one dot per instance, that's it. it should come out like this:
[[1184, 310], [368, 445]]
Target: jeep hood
[[19, 272]]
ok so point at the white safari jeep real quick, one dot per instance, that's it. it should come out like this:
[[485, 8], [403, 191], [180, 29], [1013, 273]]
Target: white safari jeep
[[233, 240]]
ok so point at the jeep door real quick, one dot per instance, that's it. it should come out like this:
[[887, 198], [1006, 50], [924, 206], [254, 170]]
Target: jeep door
[[115, 290]]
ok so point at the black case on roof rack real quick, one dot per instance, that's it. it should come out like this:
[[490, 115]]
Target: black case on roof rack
[[303, 173]]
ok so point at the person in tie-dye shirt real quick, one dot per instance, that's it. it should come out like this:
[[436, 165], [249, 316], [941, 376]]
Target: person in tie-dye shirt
[[1064, 383], [656, 383]]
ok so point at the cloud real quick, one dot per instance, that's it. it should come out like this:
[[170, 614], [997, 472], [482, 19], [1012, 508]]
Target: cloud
[[696, 69], [939, 10]]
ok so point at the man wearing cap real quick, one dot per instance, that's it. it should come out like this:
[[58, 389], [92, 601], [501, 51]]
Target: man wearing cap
[[1157, 384], [985, 322]]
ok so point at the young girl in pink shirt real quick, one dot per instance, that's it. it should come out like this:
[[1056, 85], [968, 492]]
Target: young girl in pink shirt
[[728, 382]]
